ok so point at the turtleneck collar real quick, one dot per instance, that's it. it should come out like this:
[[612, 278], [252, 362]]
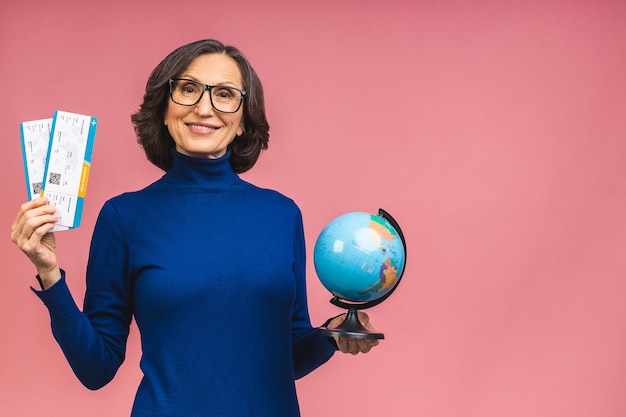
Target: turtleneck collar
[[197, 172]]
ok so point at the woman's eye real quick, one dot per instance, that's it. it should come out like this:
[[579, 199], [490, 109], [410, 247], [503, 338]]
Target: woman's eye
[[190, 88], [224, 94]]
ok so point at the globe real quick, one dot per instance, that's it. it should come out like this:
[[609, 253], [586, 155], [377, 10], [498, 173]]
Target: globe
[[359, 257]]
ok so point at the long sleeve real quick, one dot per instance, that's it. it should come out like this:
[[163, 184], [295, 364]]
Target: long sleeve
[[94, 341], [310, 349]]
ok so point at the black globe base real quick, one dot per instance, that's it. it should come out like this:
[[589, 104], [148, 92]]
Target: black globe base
[[351, 327]]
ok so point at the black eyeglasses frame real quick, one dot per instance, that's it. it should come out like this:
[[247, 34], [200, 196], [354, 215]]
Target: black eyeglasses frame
[[205, 87]]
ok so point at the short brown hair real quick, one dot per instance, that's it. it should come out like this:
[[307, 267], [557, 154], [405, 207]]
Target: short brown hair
[[153, 135]]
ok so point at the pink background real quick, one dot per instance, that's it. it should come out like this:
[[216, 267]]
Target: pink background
[[494, 131]]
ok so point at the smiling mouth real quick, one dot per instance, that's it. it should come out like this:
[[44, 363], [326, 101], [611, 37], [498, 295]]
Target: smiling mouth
[[202, 128]]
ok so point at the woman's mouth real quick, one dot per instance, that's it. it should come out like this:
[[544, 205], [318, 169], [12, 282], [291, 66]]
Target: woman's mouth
[[201, 128]]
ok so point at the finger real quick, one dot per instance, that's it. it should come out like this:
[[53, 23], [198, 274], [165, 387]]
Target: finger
[[29, 227], [29, 205], [33, 245], [32, 226], [346, 345], [342, 344], [353, 346], [365, 321], [369, 326], [365, 345], [31, 209], [336, 321], [364, 318]]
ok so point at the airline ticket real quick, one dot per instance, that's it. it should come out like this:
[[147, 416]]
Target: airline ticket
[[68, 148]]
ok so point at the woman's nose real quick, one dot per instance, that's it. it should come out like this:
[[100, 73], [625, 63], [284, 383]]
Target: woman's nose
[[204, 106]]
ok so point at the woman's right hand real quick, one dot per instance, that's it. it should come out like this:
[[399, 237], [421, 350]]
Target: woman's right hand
[[30, 231]]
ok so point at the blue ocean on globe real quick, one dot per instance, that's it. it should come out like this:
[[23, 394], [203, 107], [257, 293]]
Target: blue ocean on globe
[[359, 257]]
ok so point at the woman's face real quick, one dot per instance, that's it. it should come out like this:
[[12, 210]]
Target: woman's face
[[201, 131]]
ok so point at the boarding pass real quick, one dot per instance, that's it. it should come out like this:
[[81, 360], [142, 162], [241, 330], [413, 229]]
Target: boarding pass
[[57, 160]]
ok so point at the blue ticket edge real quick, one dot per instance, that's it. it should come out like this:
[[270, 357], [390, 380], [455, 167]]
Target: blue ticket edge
[[28, 180]]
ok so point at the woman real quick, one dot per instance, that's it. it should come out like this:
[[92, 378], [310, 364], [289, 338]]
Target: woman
[[211, 267]]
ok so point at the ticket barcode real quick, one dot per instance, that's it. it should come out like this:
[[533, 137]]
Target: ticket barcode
[[54, 178]]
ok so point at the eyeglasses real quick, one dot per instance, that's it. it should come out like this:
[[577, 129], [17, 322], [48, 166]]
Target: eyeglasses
[[189, 92]]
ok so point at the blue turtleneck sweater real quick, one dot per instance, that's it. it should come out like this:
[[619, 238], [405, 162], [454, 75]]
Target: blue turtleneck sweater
[[213, 270]]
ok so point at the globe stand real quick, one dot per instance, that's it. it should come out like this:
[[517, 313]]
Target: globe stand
[[351, 327]]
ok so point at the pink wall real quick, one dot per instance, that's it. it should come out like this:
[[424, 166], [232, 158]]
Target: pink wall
[[494, 132]]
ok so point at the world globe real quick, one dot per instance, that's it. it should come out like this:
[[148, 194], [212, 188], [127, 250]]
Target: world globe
[[359, 258]]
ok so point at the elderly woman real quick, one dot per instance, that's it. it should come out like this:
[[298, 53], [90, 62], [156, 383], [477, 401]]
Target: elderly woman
[[211, 267]]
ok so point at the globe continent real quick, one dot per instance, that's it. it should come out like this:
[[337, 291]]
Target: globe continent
[[359, 257]]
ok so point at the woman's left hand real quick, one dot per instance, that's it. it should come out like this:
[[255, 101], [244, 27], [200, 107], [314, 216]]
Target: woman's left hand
[[351, 345]]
